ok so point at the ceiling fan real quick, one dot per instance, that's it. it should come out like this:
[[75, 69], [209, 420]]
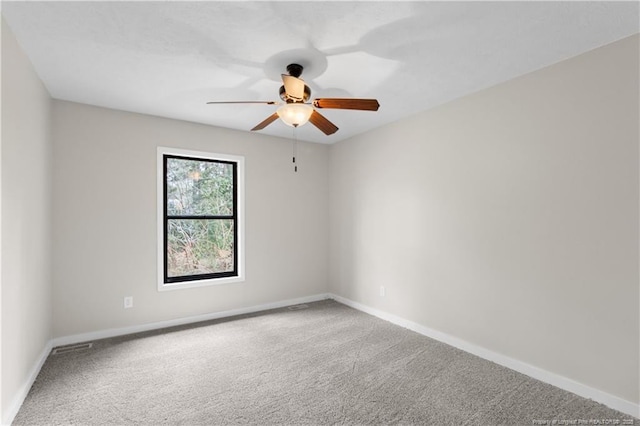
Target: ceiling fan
[[296, 111]]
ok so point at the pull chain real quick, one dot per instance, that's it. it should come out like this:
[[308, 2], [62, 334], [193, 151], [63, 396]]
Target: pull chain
[[295, 150]]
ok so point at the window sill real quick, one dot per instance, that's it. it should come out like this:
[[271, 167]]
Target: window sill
[[199, 283]]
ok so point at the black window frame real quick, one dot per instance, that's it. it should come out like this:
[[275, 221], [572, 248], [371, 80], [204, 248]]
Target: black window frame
[[167, 217]]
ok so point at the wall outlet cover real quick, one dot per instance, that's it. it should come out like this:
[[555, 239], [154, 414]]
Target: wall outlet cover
[[128, 302]]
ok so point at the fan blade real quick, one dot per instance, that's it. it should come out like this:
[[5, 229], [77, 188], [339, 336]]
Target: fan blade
[[243, 102], [321, 122], [273, 117], [347, 103], [294, 87]]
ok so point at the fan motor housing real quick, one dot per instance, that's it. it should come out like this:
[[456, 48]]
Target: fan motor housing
[[305, 98]]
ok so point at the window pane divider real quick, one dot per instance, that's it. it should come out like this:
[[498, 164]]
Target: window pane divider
[[201, 217]]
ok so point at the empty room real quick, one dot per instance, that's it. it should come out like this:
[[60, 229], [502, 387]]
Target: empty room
[[318, 213]]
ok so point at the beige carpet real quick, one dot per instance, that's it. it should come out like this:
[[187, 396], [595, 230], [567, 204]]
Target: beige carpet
[[327, 364]]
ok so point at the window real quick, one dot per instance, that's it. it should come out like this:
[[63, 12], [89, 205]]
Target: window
[[200, 220]]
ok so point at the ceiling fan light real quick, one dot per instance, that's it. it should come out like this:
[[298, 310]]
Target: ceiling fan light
[[295, 114]]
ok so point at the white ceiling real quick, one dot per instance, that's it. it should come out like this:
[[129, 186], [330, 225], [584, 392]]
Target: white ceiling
[[169, 58]]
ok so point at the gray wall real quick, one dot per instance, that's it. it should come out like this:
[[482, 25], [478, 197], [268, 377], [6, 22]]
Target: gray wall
[[104, 219], [26, 222], [508, 219]]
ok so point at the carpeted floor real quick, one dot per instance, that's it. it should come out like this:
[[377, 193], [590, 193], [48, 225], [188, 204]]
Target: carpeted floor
[[326, 364]]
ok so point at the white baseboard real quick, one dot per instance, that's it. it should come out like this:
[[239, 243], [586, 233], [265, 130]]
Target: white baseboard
[[113, 332], [612, 401], [18, 399]]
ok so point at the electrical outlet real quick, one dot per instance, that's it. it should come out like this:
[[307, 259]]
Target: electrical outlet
[[382, 291], [128, 302]]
